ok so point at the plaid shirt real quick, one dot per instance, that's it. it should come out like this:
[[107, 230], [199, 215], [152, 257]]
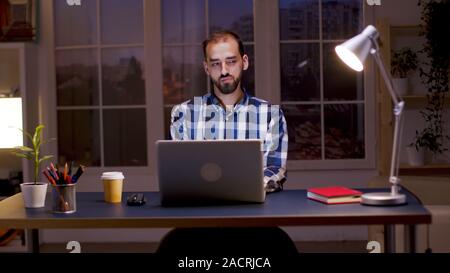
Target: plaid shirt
[[204, 118]]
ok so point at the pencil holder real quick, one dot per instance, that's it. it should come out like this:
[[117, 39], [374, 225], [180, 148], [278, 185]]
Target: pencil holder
[[64, 198]]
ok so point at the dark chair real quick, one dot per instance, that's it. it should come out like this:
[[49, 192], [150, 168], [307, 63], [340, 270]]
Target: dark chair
[[230, 240]]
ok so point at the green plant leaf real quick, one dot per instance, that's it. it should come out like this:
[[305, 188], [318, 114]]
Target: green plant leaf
[[24, 148], [23, 155], [37, 136], [45, 158]]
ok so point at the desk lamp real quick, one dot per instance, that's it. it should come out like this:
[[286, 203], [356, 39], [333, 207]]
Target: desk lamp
[[353, 53]]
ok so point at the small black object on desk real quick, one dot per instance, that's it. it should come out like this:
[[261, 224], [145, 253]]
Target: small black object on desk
[[136, 199]]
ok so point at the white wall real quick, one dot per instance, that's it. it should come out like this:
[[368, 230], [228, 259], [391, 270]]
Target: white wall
[[399, 12]]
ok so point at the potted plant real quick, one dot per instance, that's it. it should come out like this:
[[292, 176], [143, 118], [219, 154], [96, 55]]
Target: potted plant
[[434, 74], [33, 192], [403, 62], [416, 149]]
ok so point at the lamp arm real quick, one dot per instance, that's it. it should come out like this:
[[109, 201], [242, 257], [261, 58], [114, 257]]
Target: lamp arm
[[398, 126], [388, 81]]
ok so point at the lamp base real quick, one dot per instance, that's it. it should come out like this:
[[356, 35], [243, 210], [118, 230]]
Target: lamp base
[[382, 199]]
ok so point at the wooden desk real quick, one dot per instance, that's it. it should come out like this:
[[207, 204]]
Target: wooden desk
[[286, 208]]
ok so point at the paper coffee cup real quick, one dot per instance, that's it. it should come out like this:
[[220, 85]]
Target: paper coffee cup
[[112, 186]]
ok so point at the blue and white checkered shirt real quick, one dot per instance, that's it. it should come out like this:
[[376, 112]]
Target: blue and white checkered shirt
[[204, 118]]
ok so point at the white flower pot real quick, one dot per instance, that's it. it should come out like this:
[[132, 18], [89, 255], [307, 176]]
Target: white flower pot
[[34, 194], [400, 85], [416, 158]]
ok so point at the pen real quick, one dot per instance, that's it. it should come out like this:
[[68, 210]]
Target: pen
[[49, 178], [55, 172], [78, 173], [49, 172], [60, 175]]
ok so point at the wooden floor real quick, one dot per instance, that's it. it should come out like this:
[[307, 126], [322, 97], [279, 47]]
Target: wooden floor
[[303, 247]]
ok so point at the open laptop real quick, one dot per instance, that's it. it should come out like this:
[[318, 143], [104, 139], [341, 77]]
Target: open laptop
[[195, 172]]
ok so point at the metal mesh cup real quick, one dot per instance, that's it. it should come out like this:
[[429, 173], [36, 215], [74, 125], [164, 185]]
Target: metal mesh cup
[[64, 198]]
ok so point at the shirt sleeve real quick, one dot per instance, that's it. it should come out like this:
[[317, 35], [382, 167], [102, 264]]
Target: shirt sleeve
[[276, 147], [176, 122]]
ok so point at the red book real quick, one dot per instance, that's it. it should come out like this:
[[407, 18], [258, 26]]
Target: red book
[[335, 195]]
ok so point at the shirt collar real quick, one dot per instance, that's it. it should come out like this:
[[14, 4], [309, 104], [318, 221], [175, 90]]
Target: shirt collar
[[213, 100]]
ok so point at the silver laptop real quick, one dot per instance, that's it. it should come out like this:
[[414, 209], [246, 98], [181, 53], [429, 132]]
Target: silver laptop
[[195, 172]]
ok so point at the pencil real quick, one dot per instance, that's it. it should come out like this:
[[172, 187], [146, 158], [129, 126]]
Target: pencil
[[55, 172], [78, 173], [49, 178], [49, 172], [65, 172]]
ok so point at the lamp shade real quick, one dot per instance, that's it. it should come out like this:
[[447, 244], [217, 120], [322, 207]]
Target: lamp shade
[[354, 51], [10, 122]]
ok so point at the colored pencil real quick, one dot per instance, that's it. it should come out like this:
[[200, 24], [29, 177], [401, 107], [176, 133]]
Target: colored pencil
[[55, 172]]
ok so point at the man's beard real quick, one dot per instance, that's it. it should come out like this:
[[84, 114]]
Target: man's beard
[[227, 88]]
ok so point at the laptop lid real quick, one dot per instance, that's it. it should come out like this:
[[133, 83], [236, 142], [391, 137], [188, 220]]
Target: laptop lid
[[210, 171]]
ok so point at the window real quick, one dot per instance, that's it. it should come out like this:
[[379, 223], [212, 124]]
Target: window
[[322, 99], [100, 84], [186, 23]]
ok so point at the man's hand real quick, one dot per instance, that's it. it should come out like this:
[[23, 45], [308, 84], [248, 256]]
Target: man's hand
[[273, 186]]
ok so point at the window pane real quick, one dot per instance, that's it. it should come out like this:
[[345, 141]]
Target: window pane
[[122, 22], [339, 81], [342, 19], [344, 131], [300, 72], [304, 131], [183, 74], [76, 77], [299, 19], [75, 25], [125, 137], [234, 15], [79, 137], [123, 76], [183, 21], [248, 77]]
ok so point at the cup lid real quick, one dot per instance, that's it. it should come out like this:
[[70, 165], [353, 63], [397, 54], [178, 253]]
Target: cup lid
[[112, 175]]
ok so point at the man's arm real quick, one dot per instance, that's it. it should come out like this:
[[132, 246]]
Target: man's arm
[[276, 145], [176, 122]]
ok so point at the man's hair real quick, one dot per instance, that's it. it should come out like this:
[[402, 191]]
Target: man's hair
[[220, 36]]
